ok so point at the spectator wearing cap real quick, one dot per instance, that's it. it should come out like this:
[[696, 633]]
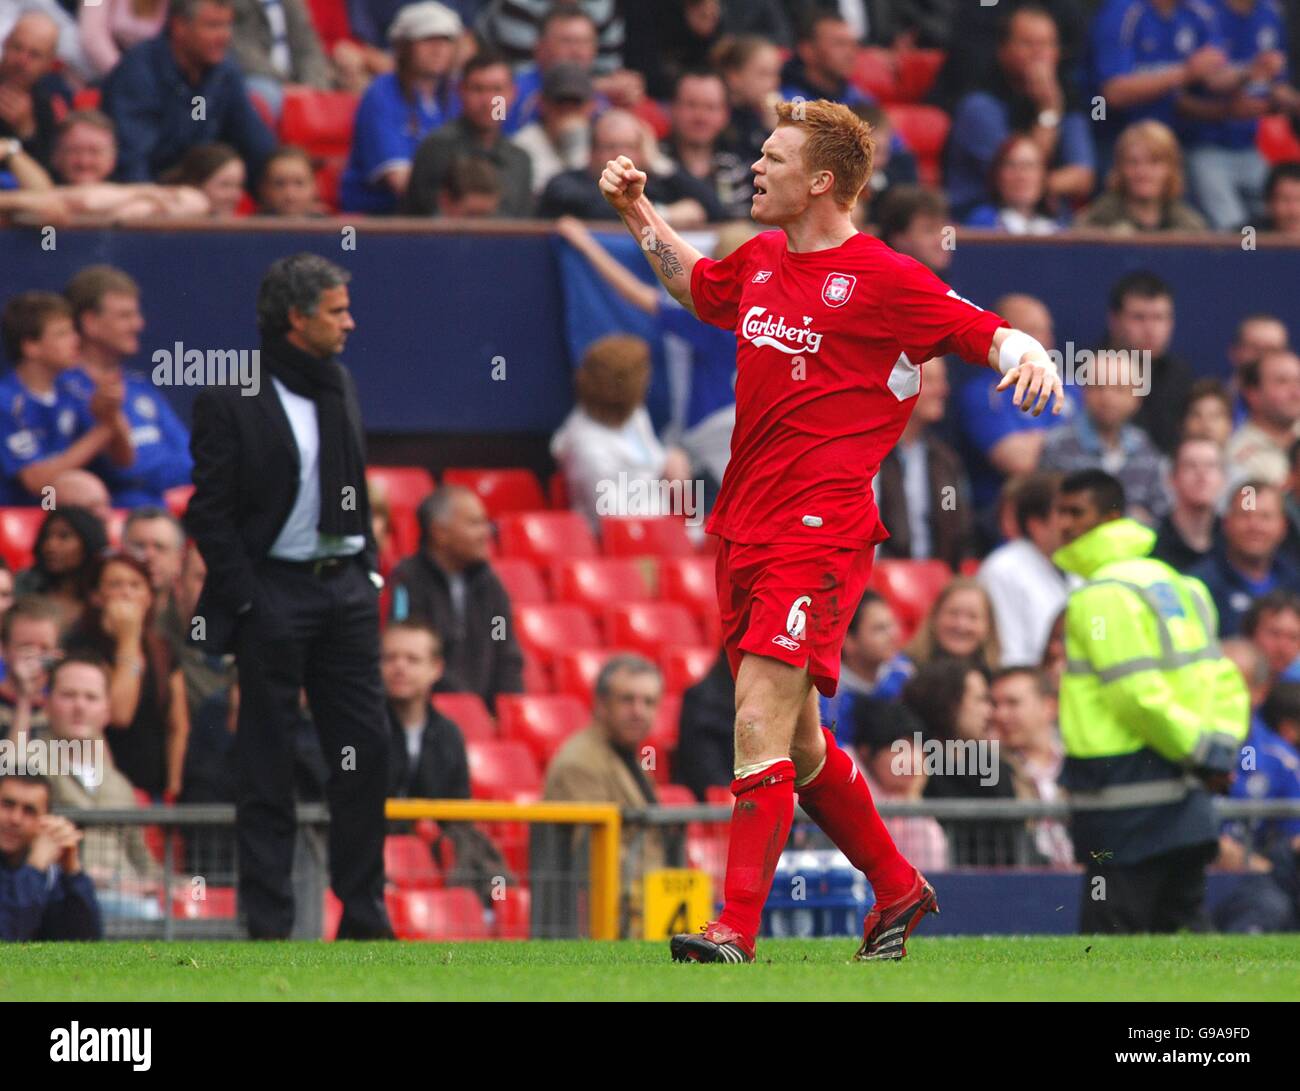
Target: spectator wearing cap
[[1282, 199], [150, 95], [478, 133], [278, 49], [400, 108], [44, 893], [105, 303], [1249, 562], [1261, 446], [1027, 95], [560, 138], [699, 118], [885, 739], [1197, 480], [449, 585], [683, 200], [1027, 589]]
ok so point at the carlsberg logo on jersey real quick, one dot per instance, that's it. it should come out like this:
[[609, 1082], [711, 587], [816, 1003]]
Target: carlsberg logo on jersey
[[773, 331]]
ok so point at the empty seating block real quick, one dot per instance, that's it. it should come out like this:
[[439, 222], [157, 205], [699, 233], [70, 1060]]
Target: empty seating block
[[684, 666], [656, 536], [595, 582], [650, 627], [468, 712], [18, 529], [522, 580], [402, 486], [541, 722], [500, 490], [548, 629], [499, 769], [453, 914], [925, 130], [545, 536], [408, 863], [320, 122]]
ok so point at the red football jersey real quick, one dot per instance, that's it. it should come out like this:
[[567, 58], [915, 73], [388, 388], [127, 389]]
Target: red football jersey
[[829, 347]]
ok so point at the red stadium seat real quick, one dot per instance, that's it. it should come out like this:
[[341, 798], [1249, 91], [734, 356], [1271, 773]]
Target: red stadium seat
[[576, 670], [329, 175], [547, 629], [500, 768], [403, 486], [910, 587], [88, 98], [217, 903], [468, 712], [1276, 140], [542, 723], [18, 529], [178, 499], [453, 914], [692, 581], [557, 491], [876, 73], [318, 121], [595, 582], [675, 795], [924, 129], [500, 490], [522, 580], [512, 913], [649, 627], [683, 666], [545, 536], [917, 70], [655, 536], [537, 676], [408, 863], [116, 524]]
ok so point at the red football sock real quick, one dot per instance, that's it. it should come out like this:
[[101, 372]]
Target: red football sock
[[760, 824], [840, 802]]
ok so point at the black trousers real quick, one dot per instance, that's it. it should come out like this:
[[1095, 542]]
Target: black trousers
[[318, 633], [1164, 893]]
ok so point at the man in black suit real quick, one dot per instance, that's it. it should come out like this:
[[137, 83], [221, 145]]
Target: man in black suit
[[281, 516]]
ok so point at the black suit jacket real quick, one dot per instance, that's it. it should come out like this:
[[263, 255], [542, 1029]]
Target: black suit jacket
[[442, 769], [246, 468]]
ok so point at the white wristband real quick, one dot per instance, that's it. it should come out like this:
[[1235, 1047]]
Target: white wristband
[[1013, 349]]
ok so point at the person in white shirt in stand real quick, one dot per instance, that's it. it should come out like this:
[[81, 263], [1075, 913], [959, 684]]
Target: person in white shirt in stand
[[1027, 590], [613, 463]]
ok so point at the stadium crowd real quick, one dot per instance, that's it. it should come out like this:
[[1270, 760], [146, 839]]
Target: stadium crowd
[[1123, 115]]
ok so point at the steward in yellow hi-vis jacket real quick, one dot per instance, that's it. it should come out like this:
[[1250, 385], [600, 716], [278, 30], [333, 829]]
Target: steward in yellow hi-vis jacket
[[1152, 714]]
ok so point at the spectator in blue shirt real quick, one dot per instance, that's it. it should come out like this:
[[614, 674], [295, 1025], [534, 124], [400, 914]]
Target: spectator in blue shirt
[[823, 62], [1000, 441], [1248, 562], [400, 108], [1144, 53], [1020, 203], [1026, 95], [1225, 168], [43, 429], [1270, 763], [106, 306], [44, 893], [180, 89]]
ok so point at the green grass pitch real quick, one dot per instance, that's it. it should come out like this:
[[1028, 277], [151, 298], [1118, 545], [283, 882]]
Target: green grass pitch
[[943, 968]]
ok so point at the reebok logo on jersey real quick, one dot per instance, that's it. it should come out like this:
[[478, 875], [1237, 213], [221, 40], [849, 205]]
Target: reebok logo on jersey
[[774, 332], [786, 643], [762, 276]]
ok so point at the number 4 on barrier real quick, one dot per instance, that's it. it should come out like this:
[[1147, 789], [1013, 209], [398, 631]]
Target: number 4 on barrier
[[676, 900]]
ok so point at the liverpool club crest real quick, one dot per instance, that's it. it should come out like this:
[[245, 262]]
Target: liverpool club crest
[[837, 289]]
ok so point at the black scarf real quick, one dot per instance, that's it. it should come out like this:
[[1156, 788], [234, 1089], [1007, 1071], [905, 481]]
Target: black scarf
[[342, 464]]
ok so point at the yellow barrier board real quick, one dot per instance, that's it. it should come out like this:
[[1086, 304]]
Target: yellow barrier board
[[676, 900]]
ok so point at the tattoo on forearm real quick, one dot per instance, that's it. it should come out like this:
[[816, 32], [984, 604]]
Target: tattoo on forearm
[[669, 265]]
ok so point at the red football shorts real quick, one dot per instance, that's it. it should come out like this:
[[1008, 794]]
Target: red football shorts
[[791, 602]]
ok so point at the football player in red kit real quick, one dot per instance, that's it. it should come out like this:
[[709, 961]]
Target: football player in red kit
[[831, 327]]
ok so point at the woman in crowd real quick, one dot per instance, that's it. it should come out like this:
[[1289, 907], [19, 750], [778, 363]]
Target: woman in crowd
[[1145, 188], [958, 626], [751, 68], [67, 545], [149, 726], [216, 171], [951, 699], [1018, 179]]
